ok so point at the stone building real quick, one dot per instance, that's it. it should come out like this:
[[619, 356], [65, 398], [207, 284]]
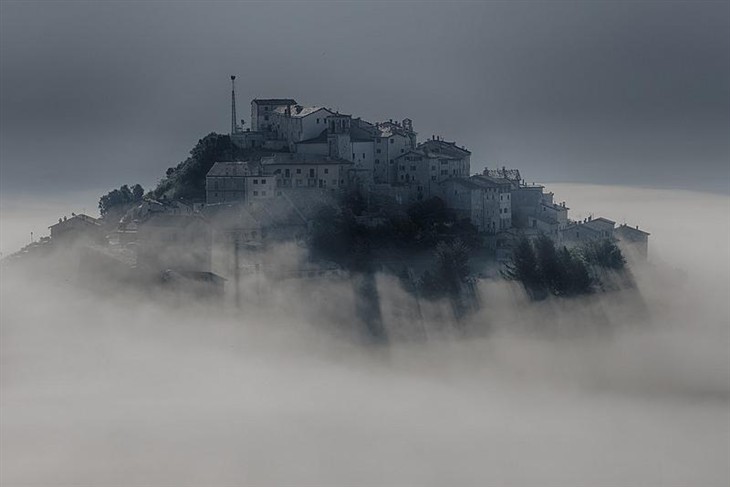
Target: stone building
[[78, 228], [261, 113], [633, 240], [238, 181]]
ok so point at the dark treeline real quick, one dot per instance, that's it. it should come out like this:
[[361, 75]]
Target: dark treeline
[[544, 269], [185, 181], [117, 201], [426, 226], [339, 235]]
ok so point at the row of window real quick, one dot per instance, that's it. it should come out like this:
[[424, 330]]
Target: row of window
[[287, 172]]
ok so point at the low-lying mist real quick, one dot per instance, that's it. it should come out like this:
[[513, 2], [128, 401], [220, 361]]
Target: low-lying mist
[[623, 388]]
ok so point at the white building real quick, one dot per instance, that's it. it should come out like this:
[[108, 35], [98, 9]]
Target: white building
[[261, 112], [430, 164], [587, 230], [299, 171], [484, 201], [238, 181], [634, 241]]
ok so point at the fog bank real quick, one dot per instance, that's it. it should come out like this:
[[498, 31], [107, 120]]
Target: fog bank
[[630, 388]]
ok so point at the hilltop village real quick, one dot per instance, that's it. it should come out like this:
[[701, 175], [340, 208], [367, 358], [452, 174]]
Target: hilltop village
[[292, 160]]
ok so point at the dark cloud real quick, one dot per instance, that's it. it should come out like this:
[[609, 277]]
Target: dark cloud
[[93, 95]]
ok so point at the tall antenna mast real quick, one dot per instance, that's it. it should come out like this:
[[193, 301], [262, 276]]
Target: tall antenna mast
[[233, 104]]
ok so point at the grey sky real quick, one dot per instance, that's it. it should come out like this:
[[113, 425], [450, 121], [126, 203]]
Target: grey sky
[[94, 95]]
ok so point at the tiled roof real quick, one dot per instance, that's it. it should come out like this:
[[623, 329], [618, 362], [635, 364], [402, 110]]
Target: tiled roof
[[80, 217], [487, 181], [275, 101], [555, 206], [466, 183], [320, 139], [511, 174], [292, 158], [298, 111], [235, 169], [442, 146], [631, 230]]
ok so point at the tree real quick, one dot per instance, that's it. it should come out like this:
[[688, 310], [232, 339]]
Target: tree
[[137, 192], [523, 267], [603, 253], [117, 201], [544, 270], [451, 271], [187, 179], [552, 273]]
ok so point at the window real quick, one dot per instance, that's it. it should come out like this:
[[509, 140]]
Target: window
[[402, 151], [311, 173], [353, 155], [377, 151], [363, 155], [287, 173], [433, 178], [334, 182], [392, 141], [326, 171], [318, 121], [263, 181], [444, 172], [267, 108], [299, 171], [433, 168], [377, 161], [266, 117], [378, 141], [391, 161], [299, 182], [255, 193], [402, 167], [413, 167], [263, 193]]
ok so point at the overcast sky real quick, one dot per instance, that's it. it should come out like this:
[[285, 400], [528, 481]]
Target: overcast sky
[[95, 95]]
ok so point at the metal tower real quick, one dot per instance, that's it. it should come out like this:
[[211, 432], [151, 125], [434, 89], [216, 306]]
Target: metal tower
[[233, 105]]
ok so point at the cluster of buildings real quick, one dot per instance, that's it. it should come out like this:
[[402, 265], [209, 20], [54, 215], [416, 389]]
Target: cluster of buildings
[[314, 149], [301, 155]]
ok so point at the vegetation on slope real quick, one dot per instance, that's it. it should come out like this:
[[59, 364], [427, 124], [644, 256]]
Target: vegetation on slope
[[187, 179], [545, 270], [117, 201]]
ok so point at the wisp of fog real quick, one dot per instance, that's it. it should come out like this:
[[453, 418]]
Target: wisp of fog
[[625, 388]]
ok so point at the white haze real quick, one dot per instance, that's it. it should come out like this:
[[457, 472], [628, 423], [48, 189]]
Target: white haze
[[624, 389]]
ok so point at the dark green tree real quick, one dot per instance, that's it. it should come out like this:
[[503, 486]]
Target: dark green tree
[[603, 253], [187, 179], [117, 201], [137, 192], [523, 267]]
